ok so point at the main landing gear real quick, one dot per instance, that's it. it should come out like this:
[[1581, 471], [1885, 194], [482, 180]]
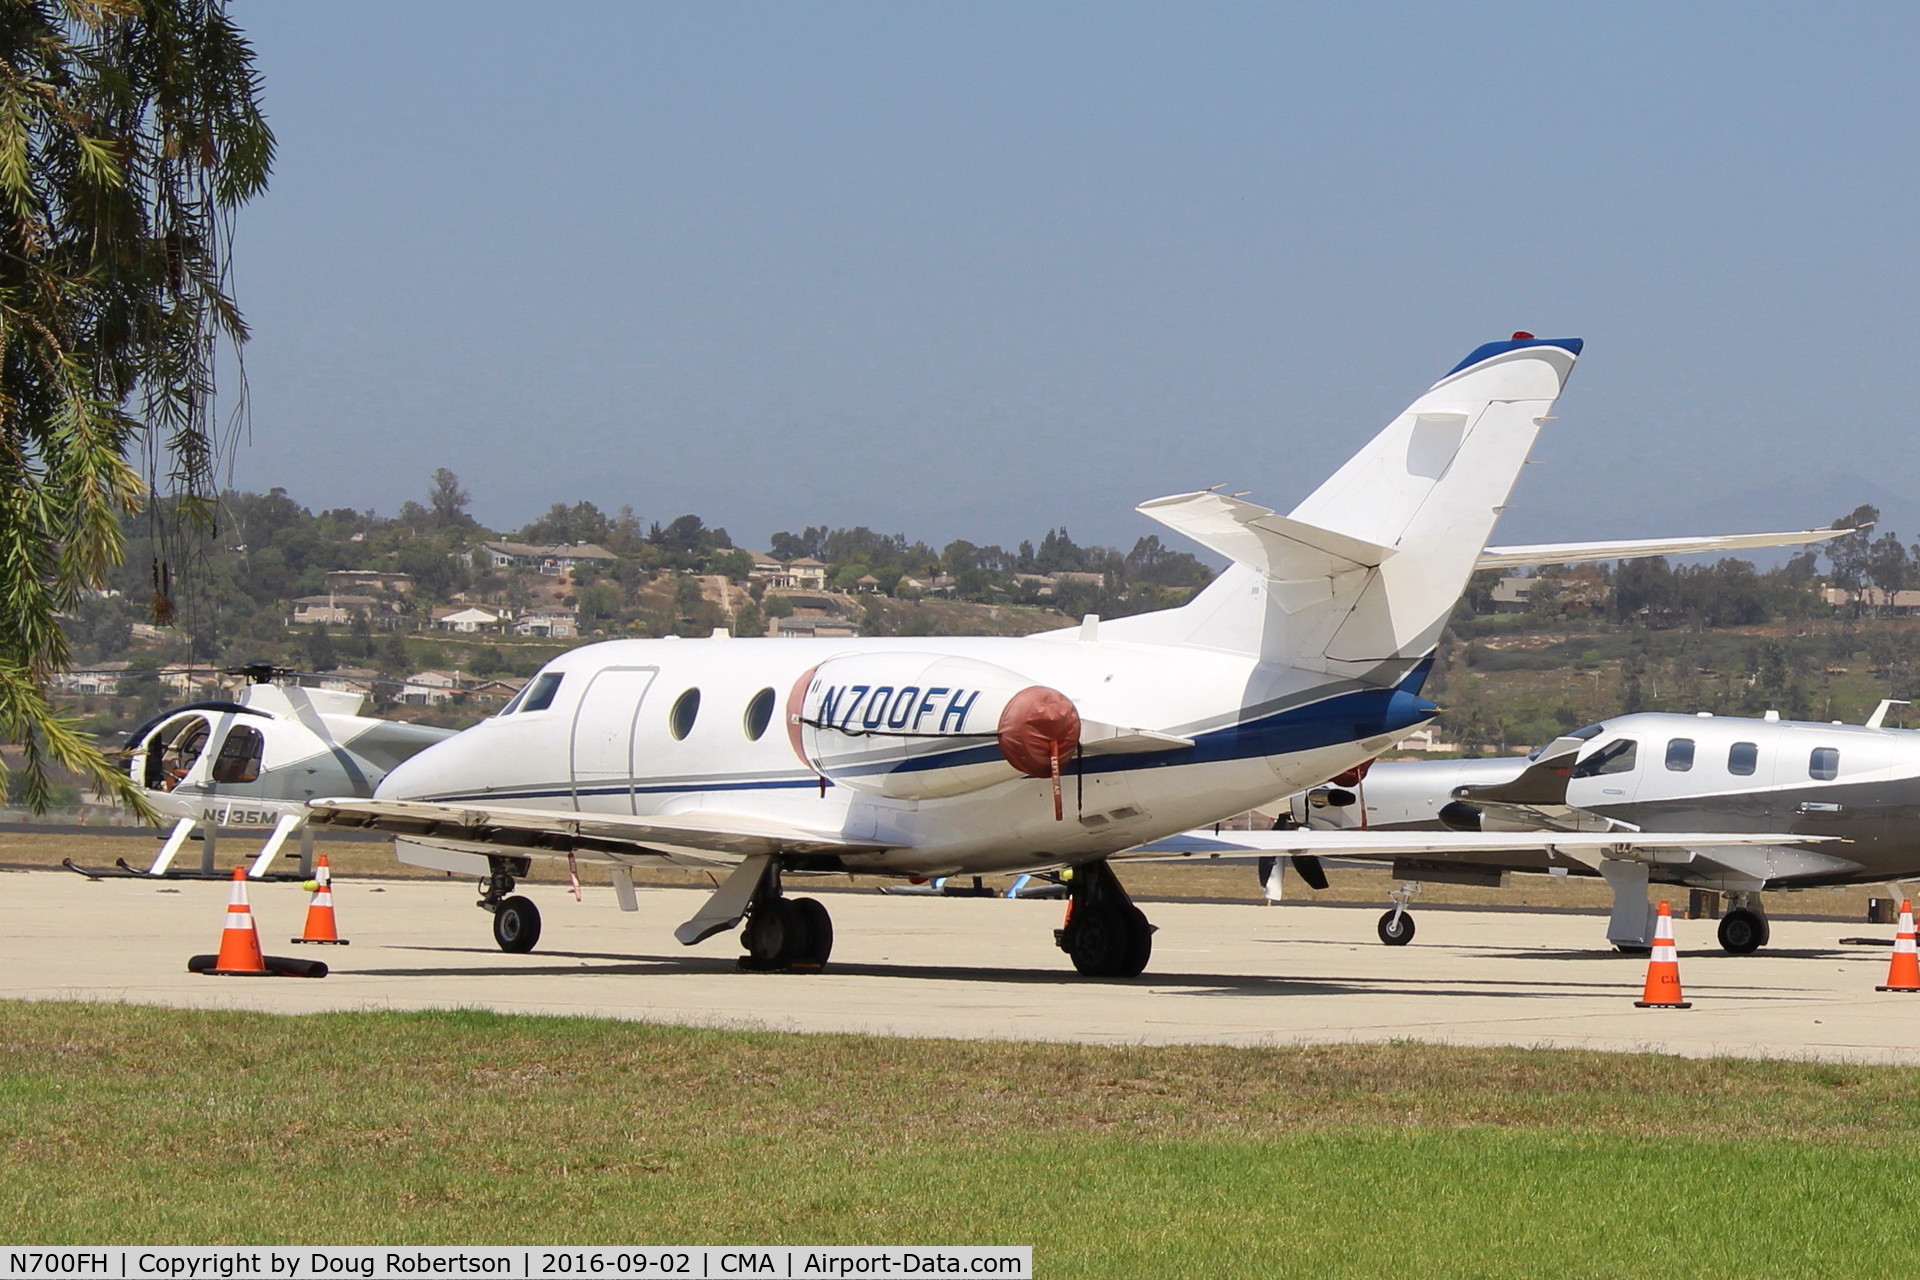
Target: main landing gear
[[516, 921], [786, 933], [1105, 934], [1744, 930]]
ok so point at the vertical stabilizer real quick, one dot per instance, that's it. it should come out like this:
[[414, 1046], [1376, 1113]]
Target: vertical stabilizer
[[1360, 577]]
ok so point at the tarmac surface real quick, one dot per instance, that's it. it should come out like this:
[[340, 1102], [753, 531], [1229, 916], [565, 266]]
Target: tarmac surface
[[978, 969]]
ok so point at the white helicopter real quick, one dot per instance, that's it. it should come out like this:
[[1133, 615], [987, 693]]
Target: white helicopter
[[254, 763], [929, 757]]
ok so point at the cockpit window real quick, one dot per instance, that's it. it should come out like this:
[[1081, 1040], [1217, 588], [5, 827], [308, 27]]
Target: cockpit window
[[1824, 764], [539, 695], [240, 755], [1618, 756], [1743, 758], [1680, 754], [172, 751], [513, 703]]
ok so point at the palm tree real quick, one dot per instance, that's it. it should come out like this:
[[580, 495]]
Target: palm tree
[[130, 132]]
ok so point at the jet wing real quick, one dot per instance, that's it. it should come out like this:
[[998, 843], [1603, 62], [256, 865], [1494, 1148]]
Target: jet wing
[[702, 836], [1581, 845], [1639, 548]]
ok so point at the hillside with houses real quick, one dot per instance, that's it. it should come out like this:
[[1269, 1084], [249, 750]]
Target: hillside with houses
[[432, 616]]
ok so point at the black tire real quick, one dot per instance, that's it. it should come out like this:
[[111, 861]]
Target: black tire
[[778, 935], [812, 913], [516, 925], [1743, 932], [1396, 929], [1139, 944], [1097, 943]]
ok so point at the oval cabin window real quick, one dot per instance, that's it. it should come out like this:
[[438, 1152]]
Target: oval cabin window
[[686, 708], [1824, 764], [759, 715]]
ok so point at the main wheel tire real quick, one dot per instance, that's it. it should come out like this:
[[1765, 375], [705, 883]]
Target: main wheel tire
[[812, 914], [1396, 928], [1139, 944], [1743, 932], [779, 934], [516, 925], [1100, 943]]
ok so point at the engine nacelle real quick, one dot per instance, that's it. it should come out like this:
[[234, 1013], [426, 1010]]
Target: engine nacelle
[[915, 726]]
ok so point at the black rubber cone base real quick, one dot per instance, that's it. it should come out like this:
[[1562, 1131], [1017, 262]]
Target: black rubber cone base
[[1912, 991], [320, 942], [1647, 1004], [277, 967]]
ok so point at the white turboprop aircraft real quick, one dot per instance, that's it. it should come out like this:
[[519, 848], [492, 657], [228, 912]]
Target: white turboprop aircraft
[[926, 757]]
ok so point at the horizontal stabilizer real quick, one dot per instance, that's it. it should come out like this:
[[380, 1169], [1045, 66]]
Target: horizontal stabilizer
[[1276, 546], [1640, 548], [1370, 844]]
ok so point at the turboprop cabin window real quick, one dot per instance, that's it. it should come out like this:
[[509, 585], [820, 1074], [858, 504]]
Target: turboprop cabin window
[[686, 708], [759, 715], [239, 758], [1680, 754], [1742, 758], [1824, 764], [1618, 756], [543, 690]]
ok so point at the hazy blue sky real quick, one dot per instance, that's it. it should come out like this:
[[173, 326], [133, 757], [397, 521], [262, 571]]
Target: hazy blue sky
[[974, 270]]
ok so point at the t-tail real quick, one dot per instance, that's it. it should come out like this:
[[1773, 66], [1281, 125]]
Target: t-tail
[[1359, 579]]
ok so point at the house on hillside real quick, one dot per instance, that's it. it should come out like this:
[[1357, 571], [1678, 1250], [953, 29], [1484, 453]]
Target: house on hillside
[[551, 560], [95, 678], [465, 618], [804, 572], [430, 688], [335, 610], [555, 624], [341, 580], [822, 628], [348, 680]]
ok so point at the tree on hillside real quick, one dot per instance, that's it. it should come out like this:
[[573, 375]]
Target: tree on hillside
[[1848, 555], [130, 130], [449, 501]]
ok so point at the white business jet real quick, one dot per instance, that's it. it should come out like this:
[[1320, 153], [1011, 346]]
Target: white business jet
[[926, 757]]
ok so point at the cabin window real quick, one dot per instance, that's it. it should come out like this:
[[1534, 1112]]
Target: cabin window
[[172, 751], [686, 708], [1680, 754], [239, 758], [542, 690], [759, 715], [1618, 756], [1824, 764], [1743, 758]]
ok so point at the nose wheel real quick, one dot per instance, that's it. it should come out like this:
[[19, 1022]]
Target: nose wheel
[[1396, 926]]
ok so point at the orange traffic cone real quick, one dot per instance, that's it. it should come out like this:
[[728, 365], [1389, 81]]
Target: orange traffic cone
[[1904, 973], [239, 942], [320, 926], [1663, 970]]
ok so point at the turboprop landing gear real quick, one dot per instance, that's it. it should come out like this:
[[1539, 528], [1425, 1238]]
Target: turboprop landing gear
[[516, 921], [1396, 926], [1744, 930], [1105, 935], [785, 933]]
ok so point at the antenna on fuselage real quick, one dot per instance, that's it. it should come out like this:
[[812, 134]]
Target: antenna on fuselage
[[1878, 720]]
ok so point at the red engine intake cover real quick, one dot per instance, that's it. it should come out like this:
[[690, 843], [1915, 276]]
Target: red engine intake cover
[[1039, 727]]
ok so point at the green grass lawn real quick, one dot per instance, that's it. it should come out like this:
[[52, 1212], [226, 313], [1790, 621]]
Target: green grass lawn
[[131, 1125]]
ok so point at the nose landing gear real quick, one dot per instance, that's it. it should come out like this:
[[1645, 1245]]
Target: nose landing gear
[[1396, 926]]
